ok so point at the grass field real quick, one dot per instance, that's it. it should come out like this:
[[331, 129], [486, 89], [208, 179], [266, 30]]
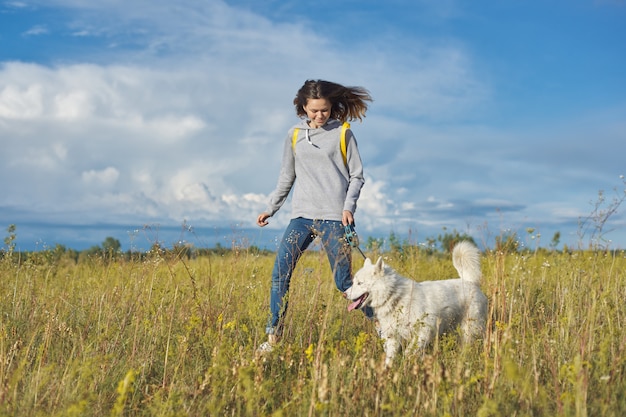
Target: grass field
[[171, 336]]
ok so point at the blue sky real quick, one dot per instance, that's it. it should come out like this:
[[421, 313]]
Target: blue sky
[[137, 119]]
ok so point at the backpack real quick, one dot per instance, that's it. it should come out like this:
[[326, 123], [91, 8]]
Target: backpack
[[342, 142]]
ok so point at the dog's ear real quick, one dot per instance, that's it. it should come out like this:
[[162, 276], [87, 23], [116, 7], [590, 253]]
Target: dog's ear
[[367, 262], [380, 265]]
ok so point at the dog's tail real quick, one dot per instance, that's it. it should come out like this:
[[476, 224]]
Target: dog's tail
[[466, 260]]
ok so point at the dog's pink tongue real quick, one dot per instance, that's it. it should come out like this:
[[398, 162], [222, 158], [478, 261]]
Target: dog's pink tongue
[[354, 305]]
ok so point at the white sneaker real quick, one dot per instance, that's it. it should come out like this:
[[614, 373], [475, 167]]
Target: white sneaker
[[268, 346], [265, 347]]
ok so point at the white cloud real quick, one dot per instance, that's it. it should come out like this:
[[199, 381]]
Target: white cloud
[[188, 106], [36, 31], [17, 102], [16, 4], [107, 176], [72, 105]]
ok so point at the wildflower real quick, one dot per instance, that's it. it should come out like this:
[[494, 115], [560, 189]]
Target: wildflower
[[309, 353]]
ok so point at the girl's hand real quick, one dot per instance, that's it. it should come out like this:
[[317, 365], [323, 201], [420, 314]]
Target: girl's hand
[[261, 220], [347, 218]]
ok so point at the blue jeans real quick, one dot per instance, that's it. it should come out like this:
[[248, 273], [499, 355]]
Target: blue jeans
[[297, 237]]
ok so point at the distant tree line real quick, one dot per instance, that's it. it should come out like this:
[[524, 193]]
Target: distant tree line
[[111, 249]]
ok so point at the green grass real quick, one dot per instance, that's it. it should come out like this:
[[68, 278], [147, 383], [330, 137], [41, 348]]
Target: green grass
[[174, 337]]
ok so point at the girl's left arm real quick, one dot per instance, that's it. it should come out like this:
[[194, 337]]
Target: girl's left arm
[[355, 173]]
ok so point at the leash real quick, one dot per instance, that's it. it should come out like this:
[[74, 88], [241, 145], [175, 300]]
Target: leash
[[352, 238]]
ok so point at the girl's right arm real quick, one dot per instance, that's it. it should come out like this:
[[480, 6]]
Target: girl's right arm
[[285, 181]]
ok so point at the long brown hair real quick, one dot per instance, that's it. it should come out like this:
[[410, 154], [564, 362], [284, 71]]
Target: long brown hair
[[348, 103]]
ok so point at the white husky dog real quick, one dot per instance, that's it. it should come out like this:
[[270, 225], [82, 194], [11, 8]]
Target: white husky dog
[[416, 311]]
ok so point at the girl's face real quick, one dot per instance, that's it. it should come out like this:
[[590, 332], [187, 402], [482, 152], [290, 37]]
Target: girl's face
[[318, 111]]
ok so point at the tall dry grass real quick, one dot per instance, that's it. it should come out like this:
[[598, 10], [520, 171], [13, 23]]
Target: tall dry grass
[[168, 336]]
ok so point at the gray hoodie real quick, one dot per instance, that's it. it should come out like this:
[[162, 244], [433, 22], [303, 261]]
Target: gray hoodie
[[325, 187]]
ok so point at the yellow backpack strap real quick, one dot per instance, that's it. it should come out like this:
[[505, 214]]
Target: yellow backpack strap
[[345, 127], [344, 152], [294, 138]]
